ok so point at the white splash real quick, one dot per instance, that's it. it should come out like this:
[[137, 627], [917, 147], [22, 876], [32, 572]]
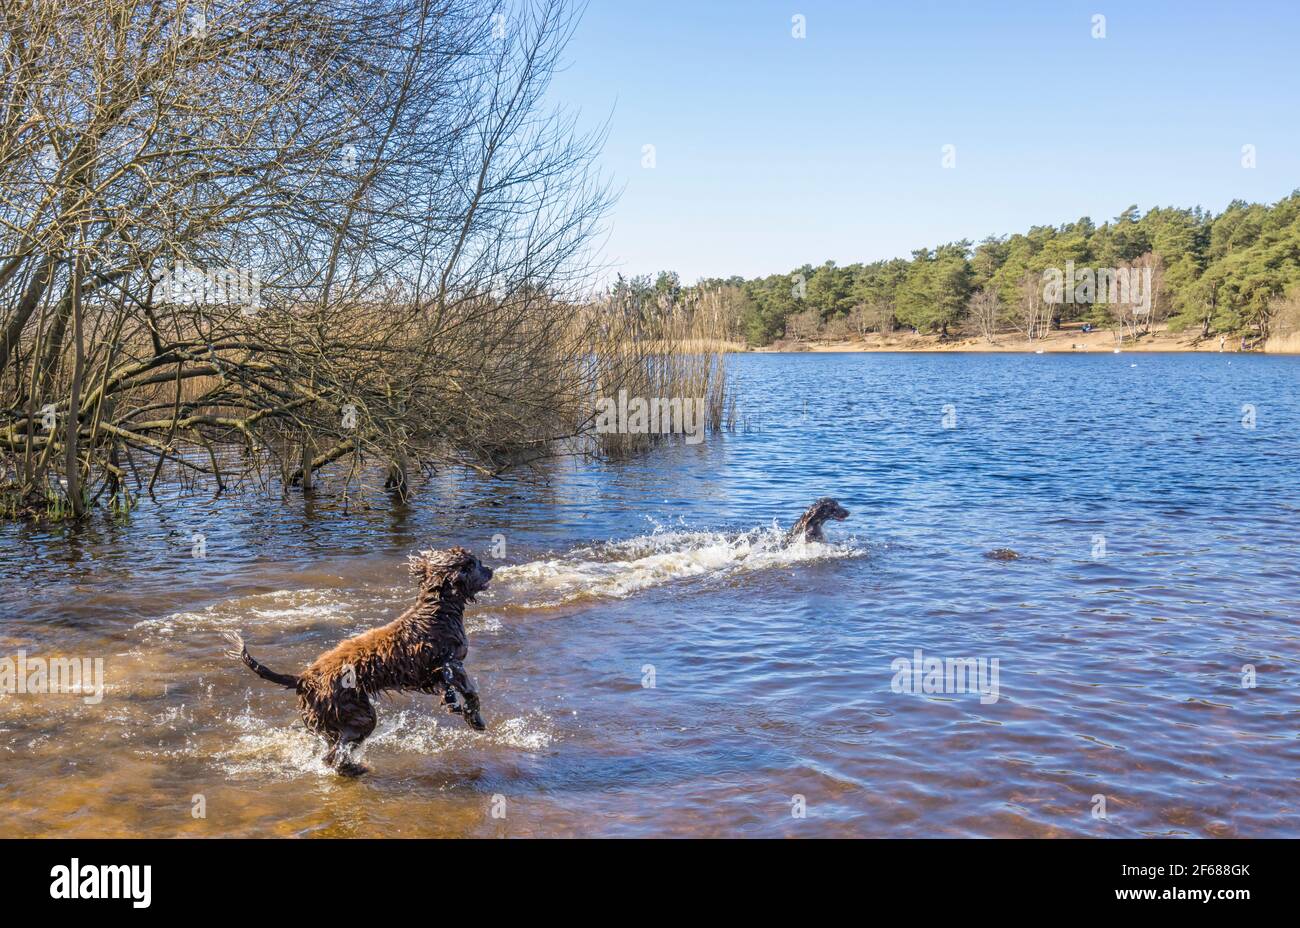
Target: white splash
[[267, 750], [259, 749]]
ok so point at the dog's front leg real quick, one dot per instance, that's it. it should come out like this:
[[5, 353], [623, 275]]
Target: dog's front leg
[[448, 689], [461, 681]]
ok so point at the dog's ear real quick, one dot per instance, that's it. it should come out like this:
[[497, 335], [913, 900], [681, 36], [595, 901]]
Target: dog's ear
[[436, 568], [426, 567], [417, 566]]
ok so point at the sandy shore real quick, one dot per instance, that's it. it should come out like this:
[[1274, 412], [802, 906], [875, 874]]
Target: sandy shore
[[1068, 340]]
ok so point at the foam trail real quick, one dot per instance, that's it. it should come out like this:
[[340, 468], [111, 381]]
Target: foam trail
[[281, 609], [613, 569], [618, 569]]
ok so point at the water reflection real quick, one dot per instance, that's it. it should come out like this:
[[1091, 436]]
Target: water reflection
[[1121, 673]]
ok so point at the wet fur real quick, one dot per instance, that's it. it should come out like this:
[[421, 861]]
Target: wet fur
[[422, 650]]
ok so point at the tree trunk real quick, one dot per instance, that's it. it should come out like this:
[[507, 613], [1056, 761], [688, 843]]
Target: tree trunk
[[71, 466], [31, 298], [308, 454], [397, 481]]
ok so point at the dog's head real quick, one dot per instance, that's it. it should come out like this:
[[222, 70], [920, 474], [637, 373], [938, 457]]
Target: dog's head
[[827, 508], [455, 571]]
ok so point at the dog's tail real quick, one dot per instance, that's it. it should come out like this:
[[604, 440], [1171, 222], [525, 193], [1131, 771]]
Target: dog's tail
[[240, 652]]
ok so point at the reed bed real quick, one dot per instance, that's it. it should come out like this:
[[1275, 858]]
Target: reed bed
[[666, 350], [365, 395]]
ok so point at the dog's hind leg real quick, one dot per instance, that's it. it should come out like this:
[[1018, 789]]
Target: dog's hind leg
[[331, 758], [344, 763], [461, 681], [318, 717], [357, 720]]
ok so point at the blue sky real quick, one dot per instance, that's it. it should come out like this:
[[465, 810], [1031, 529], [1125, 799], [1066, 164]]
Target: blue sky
[[772, 151]]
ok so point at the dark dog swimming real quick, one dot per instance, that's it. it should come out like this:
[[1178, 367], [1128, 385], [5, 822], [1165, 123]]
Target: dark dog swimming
[[809, 526]]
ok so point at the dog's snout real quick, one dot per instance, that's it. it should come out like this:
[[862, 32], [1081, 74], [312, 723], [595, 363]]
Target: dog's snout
[[487, 571]]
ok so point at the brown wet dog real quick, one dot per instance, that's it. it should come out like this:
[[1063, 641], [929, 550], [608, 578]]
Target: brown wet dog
[[421, 650]]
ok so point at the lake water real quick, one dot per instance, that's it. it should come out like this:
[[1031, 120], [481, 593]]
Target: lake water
[[654, 662]]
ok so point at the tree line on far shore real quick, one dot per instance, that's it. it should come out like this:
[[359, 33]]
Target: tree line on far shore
[[1232, 273]]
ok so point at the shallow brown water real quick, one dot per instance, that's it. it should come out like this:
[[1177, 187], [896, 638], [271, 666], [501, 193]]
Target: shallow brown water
[[1121, 674]]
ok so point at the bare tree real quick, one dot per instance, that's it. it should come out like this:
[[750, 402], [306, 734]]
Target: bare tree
[[858, 320], [837, 329], [877, 315], [805, 325], [1133, 296], [881, 313], [1032, 313], [986, 309], [1147, 300], [321, 230]]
